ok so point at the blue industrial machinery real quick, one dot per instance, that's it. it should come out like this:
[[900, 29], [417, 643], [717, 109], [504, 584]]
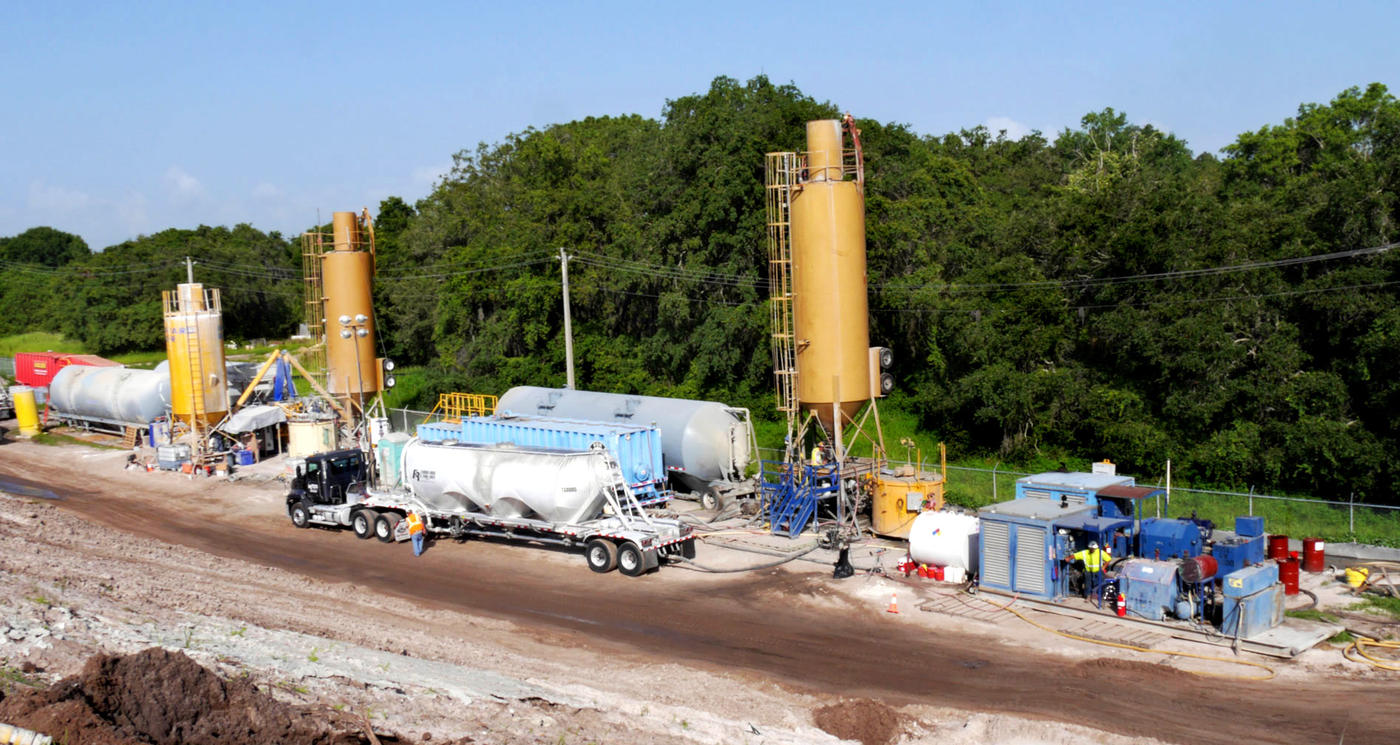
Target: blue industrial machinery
[[1021, 549], [1253, 601], [1150, 588], [1167, 538], [637, 447]]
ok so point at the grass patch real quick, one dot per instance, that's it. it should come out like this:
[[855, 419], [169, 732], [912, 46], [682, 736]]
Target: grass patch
[[39, 341], [1342, 637], [1311, 614], [1379, 604], [54, 438]]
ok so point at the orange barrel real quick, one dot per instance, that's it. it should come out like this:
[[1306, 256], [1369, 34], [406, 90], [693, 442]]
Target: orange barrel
[[1288, 575], [1278, 546], [1314, 556]]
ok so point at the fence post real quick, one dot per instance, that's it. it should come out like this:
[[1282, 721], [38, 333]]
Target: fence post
[[1251, 501], [994, 482], [1351, 515]]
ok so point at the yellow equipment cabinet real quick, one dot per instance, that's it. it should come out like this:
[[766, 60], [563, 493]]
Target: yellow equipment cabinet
[[899, 498], [831, 322], [194, 343], [348, 272]]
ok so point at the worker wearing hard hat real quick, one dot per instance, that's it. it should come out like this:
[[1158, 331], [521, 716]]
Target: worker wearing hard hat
[[416, 532], [1092, 559], [819, 454]]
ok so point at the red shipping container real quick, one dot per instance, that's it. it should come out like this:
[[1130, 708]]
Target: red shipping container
[[37, 369]]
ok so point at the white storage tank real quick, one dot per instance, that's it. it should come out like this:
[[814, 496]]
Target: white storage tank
[[553, 485], [117, 396], [701, 441], [946, 539]]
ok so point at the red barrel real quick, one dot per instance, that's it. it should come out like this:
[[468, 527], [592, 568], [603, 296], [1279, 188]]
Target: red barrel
[[1288, 575], [1278, 546], [1314, 556], [1198, 568]]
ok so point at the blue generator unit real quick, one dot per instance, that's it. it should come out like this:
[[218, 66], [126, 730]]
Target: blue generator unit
[[1017, 546], [1253, 601], [1168, 538], [1249, 526], [1075, 488], [1149, 587], [636, 447]]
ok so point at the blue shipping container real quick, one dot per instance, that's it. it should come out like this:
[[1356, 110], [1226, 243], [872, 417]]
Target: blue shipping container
[[636, 447]]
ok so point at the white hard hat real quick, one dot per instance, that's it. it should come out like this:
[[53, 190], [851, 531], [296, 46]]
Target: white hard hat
[[1093, 544]]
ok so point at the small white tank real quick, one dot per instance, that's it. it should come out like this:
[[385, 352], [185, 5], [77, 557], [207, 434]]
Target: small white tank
[[946, 539]]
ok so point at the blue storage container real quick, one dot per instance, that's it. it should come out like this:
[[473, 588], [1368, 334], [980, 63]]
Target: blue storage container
[[1248, 526], [245, 457], [636, 447], [1164, 538], [1250, 580], [1149, 588]]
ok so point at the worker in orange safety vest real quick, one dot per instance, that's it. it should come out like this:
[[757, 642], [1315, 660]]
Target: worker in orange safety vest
[[416, 532]]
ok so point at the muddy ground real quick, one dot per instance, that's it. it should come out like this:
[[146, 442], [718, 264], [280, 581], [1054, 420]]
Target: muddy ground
[[505, 643]]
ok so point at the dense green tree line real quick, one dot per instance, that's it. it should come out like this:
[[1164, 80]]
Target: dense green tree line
[[1104, 291], [111, 300]]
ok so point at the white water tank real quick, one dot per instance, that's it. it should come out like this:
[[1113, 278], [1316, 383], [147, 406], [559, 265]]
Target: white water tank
[[946, 539]]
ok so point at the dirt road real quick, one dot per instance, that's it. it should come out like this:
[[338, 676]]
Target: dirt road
[[777, 626]]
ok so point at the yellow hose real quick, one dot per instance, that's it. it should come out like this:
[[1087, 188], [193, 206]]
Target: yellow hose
[[1117, 645], [1358, 647]]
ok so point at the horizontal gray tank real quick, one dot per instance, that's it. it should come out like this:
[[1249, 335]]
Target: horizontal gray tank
[[554, 485], [701, 441], [110, 395]]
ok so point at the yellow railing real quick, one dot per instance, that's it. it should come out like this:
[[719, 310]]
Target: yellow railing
[[453, 407]]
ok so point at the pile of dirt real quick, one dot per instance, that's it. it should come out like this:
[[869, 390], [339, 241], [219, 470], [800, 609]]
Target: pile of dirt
[[158, 697], [870, 722]]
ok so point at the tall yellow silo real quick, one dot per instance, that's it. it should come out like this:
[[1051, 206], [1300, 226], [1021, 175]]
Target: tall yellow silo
[[194, 343], [347, 273], [831, 322]]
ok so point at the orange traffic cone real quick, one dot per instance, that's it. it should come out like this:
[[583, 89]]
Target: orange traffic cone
[[894, 605]]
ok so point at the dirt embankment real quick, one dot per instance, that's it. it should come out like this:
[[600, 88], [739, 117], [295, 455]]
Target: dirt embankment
[[159, 697]]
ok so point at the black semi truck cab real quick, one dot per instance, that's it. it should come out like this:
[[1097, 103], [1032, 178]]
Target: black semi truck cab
[[326, 478]]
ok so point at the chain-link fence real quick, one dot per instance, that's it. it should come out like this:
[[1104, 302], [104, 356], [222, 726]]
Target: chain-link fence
[[406, 420]]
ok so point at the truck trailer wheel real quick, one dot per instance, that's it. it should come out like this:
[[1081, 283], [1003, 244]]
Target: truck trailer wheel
[[301, 517], [362, 522], [384, 526], [601, 554], [630, 561]]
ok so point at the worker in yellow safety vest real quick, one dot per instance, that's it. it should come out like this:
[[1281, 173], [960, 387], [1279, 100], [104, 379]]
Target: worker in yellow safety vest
[[416, 532], [819, 454], [1092, 559]]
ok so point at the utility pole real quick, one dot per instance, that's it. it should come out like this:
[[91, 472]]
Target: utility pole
[[568, 324], [189, 270]]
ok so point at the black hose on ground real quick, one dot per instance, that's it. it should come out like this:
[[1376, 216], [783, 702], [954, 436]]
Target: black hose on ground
[[691, 563]]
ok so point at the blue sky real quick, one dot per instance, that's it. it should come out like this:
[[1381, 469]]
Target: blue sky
[[128, 118]]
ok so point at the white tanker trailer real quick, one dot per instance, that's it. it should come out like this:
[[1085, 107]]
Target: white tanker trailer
[[706, 446], [462, 490]]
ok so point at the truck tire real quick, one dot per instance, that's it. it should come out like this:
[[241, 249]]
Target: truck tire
[[601, 554], [384, 526], [709, 499], [301, 517], [630, 561], [362, 522]]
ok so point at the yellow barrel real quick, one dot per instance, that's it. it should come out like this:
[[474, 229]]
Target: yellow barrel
[[194, 344], [831, 316], [897, 500], [26, 410]]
